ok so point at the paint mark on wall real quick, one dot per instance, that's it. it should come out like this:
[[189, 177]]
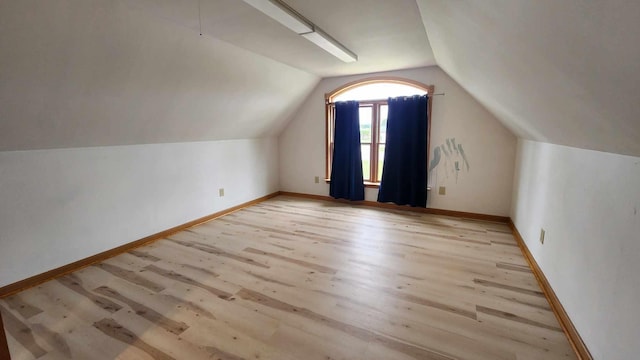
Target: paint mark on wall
[[436, 158], [444, 150], [447, 155], [450, 158], [464, 156]]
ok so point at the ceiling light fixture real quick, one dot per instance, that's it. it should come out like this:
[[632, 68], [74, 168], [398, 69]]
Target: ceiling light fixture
[[283, 14], [330, 45], [288, 17]]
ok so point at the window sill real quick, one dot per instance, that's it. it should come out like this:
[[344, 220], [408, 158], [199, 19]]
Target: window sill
[[369, 184]]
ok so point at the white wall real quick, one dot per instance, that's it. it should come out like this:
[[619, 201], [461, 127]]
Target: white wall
[[589, 204], [59, 206], [490, 147]]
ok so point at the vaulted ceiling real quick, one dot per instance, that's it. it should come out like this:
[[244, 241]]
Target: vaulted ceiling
[[564, 72], [386, 35], [111, 72], [77, 73]]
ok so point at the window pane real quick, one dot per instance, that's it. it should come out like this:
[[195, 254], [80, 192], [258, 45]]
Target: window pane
[[332, 126], [381, 90], [380, 161], [366, 161], [366, 113], [384, 111]]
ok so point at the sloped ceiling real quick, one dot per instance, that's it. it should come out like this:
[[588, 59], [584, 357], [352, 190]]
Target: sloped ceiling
[[386, 35], [564, 72], [113, 72], [76, 73]]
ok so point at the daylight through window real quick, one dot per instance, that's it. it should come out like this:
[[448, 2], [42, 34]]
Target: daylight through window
[[372, 96]]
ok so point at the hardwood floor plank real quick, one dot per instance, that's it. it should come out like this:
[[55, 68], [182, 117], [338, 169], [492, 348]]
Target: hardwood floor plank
[[144, 255], [144, 311], [320, 268], [25, 309], [508, 287], [293, 278], [215, 251], [22, 333], [169, 274], [112, 329], [73, 326], [130, 276], [514, 267], [413, 299], [363, 334], [303, 344], [55, 340], [72, 282], [233, 343], [513, 317]]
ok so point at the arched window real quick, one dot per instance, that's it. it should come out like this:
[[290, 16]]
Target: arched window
[[372, 94]]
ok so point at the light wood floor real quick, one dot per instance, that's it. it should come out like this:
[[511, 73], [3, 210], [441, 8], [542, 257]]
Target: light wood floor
[[292, 278]]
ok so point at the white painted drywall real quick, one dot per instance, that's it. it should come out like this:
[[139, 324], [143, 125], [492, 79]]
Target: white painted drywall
[[59, 206], [562, 72], [80, 73], [490, 147], [589, 204]]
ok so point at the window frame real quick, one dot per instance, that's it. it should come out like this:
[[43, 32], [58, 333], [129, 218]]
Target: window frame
[[375, 130]]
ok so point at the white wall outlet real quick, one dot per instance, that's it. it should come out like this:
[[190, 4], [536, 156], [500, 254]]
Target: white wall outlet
[[542, 233], [317, 179], [442, 190], [221, 192]]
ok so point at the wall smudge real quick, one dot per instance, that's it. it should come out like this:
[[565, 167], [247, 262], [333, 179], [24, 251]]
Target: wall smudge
[[464, 156], [436, 158], [452, 162], [453, 142]]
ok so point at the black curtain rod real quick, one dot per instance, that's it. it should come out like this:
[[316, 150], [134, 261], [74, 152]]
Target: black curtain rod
[[376, 100]]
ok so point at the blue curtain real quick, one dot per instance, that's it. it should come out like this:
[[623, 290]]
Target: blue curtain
[[346, 168], [404, 174]]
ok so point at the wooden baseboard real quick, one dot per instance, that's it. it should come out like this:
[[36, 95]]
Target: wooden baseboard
[[4, 347], [460, 214], [52, 274], [570, 330]]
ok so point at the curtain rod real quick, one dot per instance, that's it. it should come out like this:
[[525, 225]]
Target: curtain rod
[[376, 100]]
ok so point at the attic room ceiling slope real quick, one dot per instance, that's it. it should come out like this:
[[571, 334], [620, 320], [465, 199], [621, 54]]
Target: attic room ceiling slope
[[563, 72], [386, 35], [79, 73]]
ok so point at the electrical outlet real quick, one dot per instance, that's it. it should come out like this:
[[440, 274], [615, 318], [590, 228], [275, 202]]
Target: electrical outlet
[[317, 179], [221, 192], [442, 190], [542, 233]]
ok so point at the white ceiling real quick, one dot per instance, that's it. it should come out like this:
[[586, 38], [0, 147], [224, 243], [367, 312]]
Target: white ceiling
[[112, 72], [78, 73], [385, 34], [564, 72]]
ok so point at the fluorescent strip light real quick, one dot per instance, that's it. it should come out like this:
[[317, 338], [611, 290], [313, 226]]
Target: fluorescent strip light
[[330, 45], [288, 17], [283, 14]]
